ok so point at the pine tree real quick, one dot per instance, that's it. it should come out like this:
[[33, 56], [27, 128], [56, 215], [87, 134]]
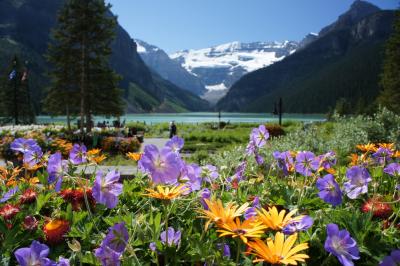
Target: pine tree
[[390, 79], [16, 105], [80, 56]]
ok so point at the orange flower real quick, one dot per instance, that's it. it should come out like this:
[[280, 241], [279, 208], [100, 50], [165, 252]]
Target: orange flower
[[274, 220], [9, 172], [219, 214], [389, 146], [370, 147], [279, 250], [396, 154], [166, 193], [247, 229], [135, 156], [98, 159], [55, 230], [93, 152]]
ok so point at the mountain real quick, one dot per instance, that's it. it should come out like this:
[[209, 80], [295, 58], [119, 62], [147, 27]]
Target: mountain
[[25, 27], [158, 60], [342, 64], [220, 66]]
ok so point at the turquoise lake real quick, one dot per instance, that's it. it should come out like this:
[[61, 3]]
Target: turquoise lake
[[198, 117]]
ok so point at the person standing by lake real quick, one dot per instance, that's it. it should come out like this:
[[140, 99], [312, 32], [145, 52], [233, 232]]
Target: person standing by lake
[[172, 129]]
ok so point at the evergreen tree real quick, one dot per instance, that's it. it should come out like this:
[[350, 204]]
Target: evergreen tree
[[390, 79], [16, 103], [80, 55]]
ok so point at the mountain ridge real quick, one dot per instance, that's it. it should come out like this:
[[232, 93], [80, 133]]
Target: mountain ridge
[[30, 41], [314, 78]]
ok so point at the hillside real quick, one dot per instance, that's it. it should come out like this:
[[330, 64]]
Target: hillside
[[344, 62], [18, 35]]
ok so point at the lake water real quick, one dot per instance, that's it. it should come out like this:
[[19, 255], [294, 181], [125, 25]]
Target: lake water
[[199, 117]]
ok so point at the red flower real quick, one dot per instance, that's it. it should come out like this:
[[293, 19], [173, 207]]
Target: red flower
[[28, 196], [379, 209], [55, 230], [30, 223], [77, 198], [8, 211]]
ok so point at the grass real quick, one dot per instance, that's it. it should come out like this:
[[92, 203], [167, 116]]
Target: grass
[[118, 160]]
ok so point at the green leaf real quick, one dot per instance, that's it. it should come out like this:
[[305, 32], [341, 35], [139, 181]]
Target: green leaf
[[41, 200]]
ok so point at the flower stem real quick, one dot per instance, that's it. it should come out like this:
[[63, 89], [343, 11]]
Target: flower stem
[[239, 247]]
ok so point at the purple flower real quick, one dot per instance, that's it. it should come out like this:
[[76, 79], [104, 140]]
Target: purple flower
[[35, 254], [256, 202], [63, 262], [329, 190], [392, 260], [152, 246], [259, 158], [392, 169], [106, 188], [382, 155], [341, 244], [327, 160], [107, 256], [33, 157], [250, 148], [163, 166], [175, 144], [205, 194], [9, 194], [259, 136], [24, 145], [240, 171], [56, 168], [226, 251], [117, 237], [78, 154], [305, 163], [285, 161], [358, 181], [174, 238], [250, 213], [209, 173], [296, 226], [191, 175]]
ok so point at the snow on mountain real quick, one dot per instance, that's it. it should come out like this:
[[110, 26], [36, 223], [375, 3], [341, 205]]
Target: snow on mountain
[[220, 66], [159, 61]]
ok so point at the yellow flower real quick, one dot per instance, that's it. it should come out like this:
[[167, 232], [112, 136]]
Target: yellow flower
[[98, 159], [370, 147], [93, 152], [274, 220], [247, 229], [389, 146], [396, 154], [135, 156], [166, 193], [219, 214], [280, 251]]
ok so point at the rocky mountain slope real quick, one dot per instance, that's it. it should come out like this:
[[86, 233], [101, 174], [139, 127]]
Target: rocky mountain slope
[[342, 64], [25, 27], [220, 66]]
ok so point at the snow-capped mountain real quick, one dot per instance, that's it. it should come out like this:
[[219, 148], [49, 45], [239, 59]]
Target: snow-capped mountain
[[158, 60], [220, 66]]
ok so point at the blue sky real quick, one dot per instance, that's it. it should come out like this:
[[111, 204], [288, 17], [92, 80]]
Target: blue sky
[[191, 24]]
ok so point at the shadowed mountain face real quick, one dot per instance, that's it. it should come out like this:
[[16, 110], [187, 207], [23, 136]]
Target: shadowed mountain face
[[25, 27], [158, 60], [342, 63]]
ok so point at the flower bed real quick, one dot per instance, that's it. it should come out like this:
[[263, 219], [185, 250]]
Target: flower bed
[[295, 208]]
